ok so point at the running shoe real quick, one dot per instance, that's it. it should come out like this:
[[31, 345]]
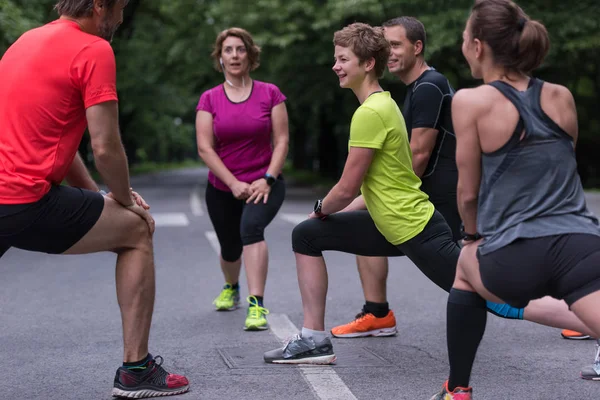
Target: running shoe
[[574, 335], [152, 381], [367, 324], [256, 319], [458, 393], [228, 299], [301, 350], [592, 373]]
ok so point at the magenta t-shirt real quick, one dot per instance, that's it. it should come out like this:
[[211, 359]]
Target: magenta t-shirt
[[242, 130]]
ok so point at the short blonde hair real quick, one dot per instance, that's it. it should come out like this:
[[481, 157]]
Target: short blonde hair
[[252, 49], [366, 42]]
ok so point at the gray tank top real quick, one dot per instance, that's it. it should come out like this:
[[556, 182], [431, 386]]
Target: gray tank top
[[530, 188]]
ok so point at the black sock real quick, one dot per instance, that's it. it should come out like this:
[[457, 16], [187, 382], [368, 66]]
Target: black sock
[[259, 300], [236, 286], [465, 325], [138, 365], [379, 310]]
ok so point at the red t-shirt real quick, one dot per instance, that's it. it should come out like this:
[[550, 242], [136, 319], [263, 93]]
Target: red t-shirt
[[48, 78]]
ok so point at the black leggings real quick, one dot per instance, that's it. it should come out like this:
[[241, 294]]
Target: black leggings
[[238, 224], [433, 250]]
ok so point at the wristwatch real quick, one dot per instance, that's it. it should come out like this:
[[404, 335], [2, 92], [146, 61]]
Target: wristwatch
[[318, 206], [270, 179], [469, 237]]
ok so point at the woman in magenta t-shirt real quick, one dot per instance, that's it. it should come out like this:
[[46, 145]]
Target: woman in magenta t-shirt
[[242, 133]]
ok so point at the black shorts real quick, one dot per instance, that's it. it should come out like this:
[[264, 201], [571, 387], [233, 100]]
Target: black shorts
[[562, 266], [52, 224]]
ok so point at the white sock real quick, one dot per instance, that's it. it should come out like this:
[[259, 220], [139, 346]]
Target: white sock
[[318, 336]]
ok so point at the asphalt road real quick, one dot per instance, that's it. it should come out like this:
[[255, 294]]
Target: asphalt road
[[60, 330]]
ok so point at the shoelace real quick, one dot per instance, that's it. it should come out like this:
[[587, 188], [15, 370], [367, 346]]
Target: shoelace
[[256, 311], [359, 317]]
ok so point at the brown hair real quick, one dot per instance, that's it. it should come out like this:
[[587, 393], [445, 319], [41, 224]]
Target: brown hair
[[518, 43], [366, 42], [252, 49], [415, 30], [79, 8]]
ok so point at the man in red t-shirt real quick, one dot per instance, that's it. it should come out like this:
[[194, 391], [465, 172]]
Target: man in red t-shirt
[[55, 81]]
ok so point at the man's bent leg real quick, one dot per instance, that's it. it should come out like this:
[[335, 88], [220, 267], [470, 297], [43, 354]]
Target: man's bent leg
[[312, 279], [373, 272], [125, 233]]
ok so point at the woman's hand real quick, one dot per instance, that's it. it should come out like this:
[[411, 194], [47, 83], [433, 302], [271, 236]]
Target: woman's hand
[[260, 190], [240, 190]]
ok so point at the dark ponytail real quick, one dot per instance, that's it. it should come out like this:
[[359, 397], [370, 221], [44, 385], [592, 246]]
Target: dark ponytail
[[518, 43]]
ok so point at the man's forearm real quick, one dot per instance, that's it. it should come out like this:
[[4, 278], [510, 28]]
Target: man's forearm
[[112, 166], [79, 176], [357, 204], [337, 199], [419, 162]]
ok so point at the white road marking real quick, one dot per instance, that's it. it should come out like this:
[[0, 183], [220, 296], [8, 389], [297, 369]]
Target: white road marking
[[170, 219], [214, 242], [294, 218], [325, 382], [196, 203]]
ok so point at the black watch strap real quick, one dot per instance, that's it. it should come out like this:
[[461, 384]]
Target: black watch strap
[[318, 206], [270, 179], [469, 237]]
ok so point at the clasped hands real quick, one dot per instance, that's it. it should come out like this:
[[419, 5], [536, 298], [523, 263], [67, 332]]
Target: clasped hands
[[253, 192]]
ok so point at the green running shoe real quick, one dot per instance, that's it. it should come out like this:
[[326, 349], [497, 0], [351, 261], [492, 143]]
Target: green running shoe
[[228, 299], [256, 319]]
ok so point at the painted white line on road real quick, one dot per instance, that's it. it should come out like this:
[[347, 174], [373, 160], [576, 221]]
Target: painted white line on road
[[214, 242], [325, 382], [294, 218], [196, 203], [170, 219]]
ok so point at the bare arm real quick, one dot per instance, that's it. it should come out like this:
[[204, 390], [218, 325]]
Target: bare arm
[[109, 154], [79, 176], [357, 204], [422, 142], [206, 151], [468, 157], [344, 192], [281, 139]]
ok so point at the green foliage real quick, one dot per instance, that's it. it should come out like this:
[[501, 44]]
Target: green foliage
[[163, 57]]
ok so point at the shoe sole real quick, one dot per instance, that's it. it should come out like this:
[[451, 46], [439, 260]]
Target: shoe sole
[[591, 378], [376, 333], [582, 337], [320, 360], [145, 393], [227, 309], [256, 328]]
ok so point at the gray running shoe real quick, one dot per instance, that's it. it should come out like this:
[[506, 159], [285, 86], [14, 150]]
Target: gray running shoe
[[592, 372], [300, 350]]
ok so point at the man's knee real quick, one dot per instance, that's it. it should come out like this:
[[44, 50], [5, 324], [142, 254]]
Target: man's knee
[[302, 238], [140, 235]]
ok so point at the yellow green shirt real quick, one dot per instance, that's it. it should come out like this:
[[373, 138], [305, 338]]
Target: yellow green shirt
[[391, 189]]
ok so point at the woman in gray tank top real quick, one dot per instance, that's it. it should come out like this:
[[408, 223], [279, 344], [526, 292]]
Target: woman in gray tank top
[[527, 230]]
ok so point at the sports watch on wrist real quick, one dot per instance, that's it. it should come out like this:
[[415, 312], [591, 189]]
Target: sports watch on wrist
[[270, 179], [318, 206], [469, 237]]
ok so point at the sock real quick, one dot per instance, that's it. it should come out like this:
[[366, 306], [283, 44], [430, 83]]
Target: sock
[[465, 326], [138, 366], [318, 336], [259, 300], [379, 310], [234, 286]]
